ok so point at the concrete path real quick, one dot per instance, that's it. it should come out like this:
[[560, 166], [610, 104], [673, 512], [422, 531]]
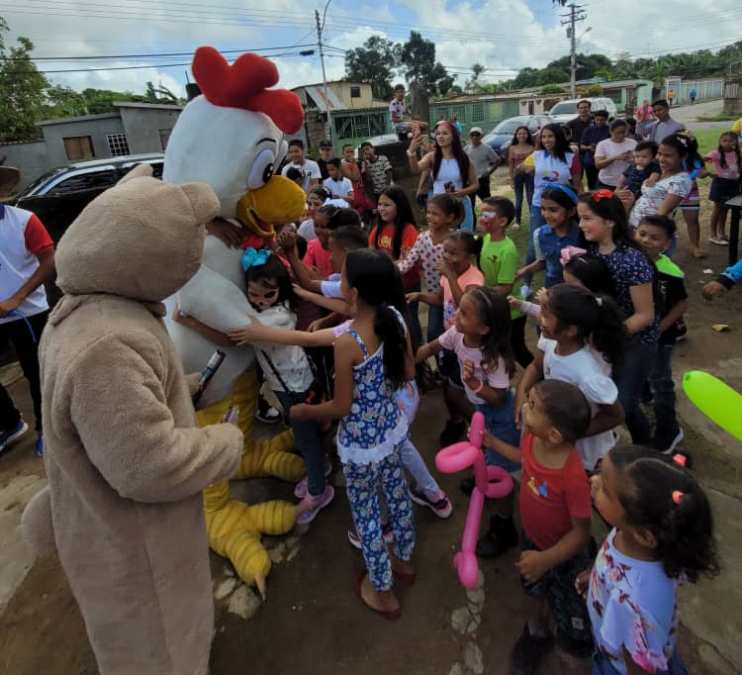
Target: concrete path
[[688, 114]]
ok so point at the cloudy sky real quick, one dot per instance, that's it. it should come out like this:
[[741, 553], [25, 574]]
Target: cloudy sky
[[504, 36]]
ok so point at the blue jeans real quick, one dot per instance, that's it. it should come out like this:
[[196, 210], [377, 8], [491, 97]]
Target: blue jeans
[[308, 439], [602, 665], [467, 224], [364, 482], [631, 377], [435, 322], [522, 181], [663, 391]]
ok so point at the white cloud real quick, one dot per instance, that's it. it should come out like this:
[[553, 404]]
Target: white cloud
[[504, 35]]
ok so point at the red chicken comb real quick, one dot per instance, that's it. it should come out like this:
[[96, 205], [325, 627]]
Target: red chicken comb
[[244, 84]]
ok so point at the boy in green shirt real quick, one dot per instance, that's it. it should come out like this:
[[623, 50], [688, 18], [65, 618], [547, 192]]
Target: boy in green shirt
[[499, 263]]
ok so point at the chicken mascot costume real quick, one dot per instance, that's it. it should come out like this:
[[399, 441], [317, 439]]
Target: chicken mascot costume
[[232, 137]]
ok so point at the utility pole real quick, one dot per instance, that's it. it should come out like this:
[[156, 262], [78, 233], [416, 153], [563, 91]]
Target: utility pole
[[576, 14], [320, 26]]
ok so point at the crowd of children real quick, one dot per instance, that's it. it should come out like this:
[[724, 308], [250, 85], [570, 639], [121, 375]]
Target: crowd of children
[[447, 307]]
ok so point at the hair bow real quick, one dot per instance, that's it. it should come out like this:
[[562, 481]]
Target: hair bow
[[552, 185], [600, 195], [254, 258], [569, 252]]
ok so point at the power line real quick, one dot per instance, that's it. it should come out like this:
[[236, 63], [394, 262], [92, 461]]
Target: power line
[[158, 54], [142, 66]]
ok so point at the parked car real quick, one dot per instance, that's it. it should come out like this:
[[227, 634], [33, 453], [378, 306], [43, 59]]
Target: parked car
[[565, 111], [58, 196], [500, 138]]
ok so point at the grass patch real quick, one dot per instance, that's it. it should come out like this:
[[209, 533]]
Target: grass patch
[[708, 139]]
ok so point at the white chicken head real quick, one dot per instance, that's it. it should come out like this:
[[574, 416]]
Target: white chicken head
[[232, 137]]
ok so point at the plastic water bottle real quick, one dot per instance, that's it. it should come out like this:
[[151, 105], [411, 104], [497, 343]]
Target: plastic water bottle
[[525, 292]]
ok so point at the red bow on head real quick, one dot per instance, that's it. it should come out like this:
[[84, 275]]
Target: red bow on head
[[244, 84], [600, 195]]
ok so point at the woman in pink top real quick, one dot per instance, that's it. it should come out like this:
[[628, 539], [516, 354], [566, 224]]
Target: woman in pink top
[[725, 185]]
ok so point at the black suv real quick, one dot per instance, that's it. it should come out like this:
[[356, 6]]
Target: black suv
[[58, 196]]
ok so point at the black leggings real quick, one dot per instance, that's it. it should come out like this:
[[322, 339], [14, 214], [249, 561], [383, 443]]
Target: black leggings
[[518, 342], [25, 339]]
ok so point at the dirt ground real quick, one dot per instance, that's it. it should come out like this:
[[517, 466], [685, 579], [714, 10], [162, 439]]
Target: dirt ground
[[312, 622]]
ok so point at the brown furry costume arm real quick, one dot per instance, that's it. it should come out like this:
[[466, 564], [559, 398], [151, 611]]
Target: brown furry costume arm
[[128, 431]]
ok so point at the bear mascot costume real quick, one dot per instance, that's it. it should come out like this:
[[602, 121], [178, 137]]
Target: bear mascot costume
[[232, 137], [125, 460]]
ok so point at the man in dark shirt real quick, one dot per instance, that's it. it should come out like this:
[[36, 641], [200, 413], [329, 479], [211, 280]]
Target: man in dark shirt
[[577, 126], [596, 132], [325, 154]]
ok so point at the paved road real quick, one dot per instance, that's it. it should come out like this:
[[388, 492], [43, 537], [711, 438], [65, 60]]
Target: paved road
[[689, 113]]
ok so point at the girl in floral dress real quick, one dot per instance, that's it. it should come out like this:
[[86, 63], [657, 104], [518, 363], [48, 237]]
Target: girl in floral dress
[[372, 361], [662, 535]]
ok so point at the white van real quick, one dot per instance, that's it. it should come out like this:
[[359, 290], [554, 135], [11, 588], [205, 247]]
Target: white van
[[564, 111]]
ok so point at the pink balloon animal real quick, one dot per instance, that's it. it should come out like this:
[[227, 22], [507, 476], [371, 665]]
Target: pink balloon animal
[[489, 481]]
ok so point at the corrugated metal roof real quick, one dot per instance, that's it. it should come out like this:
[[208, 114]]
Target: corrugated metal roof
[[324, 102]]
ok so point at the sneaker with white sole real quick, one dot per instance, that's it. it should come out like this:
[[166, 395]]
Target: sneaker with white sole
[[12, 435], [302, 487], [441, 506], [355, 540], [310, 506], [268, 416]]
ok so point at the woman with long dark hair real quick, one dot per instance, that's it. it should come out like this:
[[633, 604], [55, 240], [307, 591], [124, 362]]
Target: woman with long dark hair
[[449, 166]]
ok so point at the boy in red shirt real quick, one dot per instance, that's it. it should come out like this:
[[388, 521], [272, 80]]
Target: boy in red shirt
[[555, 513], [26, 262]]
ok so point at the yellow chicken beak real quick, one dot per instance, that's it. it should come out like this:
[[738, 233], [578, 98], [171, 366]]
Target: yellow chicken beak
[[279, 201]]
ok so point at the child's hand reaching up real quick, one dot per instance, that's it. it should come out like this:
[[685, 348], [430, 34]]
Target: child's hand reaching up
[[532, 565], [287, 241], [542, 296]]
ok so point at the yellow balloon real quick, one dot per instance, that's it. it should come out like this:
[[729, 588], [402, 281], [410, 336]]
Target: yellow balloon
[[715, 399]]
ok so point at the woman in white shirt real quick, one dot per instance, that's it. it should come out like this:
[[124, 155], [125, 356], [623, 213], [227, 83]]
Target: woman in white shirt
[[613, 155], [449, 166]]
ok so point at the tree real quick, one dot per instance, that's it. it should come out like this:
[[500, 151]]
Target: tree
[[373, 63], [22, 87], [161, 94], [472, 85], [425, 75], [63, 102]]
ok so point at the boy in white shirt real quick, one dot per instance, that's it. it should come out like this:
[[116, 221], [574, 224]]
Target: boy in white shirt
[[336, 184], [26, 262], [308, 167]]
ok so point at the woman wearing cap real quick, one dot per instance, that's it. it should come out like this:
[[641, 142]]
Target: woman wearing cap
[[449, 166], [485, 161]]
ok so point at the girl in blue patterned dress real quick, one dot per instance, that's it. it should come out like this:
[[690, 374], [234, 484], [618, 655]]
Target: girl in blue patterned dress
[[372, 361]]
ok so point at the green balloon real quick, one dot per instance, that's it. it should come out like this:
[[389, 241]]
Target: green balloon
[[715, 399]]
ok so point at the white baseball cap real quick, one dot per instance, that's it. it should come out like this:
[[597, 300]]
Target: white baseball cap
[[476, 130]]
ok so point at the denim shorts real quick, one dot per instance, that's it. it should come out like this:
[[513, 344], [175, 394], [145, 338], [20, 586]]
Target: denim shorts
[[500, 422]]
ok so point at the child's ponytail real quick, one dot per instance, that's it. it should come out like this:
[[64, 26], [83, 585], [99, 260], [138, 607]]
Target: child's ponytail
[[379, 284], [665, 500], [390, 329], [597, 318]]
